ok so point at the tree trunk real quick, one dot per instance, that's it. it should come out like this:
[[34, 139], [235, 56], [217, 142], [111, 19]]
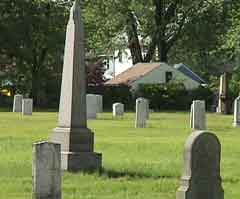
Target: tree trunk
[[133, 41], [163, 52]]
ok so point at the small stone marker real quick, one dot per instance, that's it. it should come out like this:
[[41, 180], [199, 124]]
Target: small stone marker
[[99, 103], [198, 115], [91, 106], [148, 109], [236, 122], [17, 103], [141, 113], [27, 106], [201, 177], [47, 171], [118, 109]]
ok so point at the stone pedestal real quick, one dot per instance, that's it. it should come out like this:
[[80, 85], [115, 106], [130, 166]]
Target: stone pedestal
[[77, 149]]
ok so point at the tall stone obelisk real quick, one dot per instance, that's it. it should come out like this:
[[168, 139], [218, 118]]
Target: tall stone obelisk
[[77, 141]]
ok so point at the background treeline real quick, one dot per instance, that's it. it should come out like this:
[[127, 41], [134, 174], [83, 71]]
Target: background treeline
[[202, 34]]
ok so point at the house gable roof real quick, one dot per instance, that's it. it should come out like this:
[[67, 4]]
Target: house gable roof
[[189, 73], [134, 73]]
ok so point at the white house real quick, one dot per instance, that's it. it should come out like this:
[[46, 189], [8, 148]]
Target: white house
[[157, 73], [117, 63]]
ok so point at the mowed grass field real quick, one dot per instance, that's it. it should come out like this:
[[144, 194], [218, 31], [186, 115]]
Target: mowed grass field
[[138, 163]]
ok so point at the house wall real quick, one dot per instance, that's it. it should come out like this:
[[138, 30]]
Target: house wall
[[158, 76], [117, 65]]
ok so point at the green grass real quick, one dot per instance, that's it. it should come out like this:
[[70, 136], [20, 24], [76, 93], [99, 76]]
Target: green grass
[[138, 163]]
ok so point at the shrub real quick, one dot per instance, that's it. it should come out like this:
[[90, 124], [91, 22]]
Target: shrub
[[173, 96]]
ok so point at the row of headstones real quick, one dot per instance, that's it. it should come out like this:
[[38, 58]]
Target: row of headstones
[[200, 180], [94, 105], [198, 114], [21, 105], [142, 111]]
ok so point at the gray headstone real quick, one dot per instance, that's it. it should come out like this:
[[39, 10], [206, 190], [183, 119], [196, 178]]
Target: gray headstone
[[92, 106], [118, 109], [46, 171], [17, 103], [198, 115], [141, 113], [201, 177], [191, 116], [99, 103], [77, 141], [148, 109], [27, 106], [236, 122]]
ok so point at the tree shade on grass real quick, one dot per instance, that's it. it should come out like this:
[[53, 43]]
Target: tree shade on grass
[[138, 163]]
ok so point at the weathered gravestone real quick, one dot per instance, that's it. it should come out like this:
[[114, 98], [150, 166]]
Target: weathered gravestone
[[17, 103], [198, 115], [236, 122], [99, 103], [91, 106], [46, 171], [201, 177], [224, 101], [141, 113], [27, 106], [118, 109], [77, 141]]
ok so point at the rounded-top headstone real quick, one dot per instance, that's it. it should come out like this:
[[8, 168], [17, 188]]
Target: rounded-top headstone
[[201, 177], [118, 109]]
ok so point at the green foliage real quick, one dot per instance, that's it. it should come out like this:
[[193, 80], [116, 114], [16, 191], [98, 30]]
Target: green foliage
[[32, 40], [173, 96]]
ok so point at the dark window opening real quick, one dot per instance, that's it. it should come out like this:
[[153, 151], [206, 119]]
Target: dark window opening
[[169, 76]]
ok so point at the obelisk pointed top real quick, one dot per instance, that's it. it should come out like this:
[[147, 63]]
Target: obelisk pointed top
[[75, 13]]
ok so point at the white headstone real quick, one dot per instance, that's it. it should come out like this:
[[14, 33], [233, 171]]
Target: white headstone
[[17, 103], [236, 122], [47, 171], [198, 115], [91, 106], [118, 109], [141, 113], [27, 106], [99, 103]]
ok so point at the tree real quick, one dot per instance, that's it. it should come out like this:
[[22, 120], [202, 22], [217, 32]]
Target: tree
[[151, 28], [32, 41]]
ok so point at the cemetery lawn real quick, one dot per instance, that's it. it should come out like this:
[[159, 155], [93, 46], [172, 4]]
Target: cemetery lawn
[[138, 163]]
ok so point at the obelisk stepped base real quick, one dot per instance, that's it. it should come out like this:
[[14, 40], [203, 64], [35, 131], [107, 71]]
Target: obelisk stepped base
[[77, 149], [81, 161]]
